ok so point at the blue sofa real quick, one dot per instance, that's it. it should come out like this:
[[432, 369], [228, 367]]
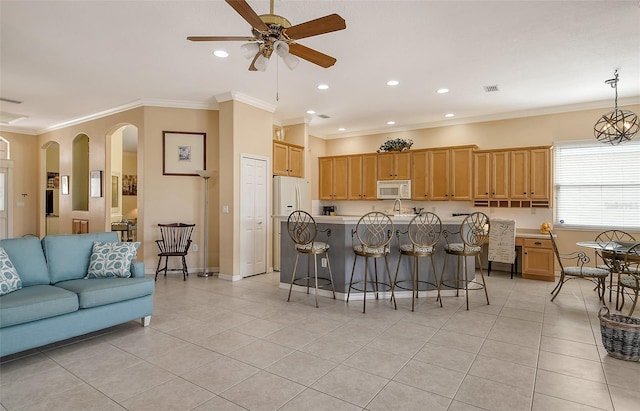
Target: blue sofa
[[56, 302]]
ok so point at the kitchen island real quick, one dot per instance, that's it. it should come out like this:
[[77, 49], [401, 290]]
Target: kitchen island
[[341, 258]]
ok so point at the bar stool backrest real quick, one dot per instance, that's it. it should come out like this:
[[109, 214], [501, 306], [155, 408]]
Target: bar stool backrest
[[374, 230], [425, 230], [302, 227], [474, 229]]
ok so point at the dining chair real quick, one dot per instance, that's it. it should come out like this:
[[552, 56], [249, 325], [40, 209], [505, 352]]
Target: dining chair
[[371, 239], [605, 239], [424, 232], [474, 233], [629, 277], [303, 230], [579, 270], [175, 242]]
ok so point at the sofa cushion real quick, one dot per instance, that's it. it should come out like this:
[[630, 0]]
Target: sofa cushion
[[35, 303], [102, 291], [111, 259], [68, 254], [27, 257], [9, 278]]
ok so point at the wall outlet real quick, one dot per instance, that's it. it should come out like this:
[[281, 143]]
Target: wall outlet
[[323, 262], [194, 247]]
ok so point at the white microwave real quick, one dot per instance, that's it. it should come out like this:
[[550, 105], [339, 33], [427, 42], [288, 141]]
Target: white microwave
[[392, 189]]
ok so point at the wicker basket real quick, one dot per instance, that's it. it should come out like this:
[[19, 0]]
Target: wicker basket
[[620, 335]]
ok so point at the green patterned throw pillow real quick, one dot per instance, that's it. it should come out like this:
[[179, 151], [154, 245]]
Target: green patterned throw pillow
[[9, 278], [110, 260]]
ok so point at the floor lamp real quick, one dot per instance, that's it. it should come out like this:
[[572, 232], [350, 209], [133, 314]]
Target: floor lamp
[[206, 175]]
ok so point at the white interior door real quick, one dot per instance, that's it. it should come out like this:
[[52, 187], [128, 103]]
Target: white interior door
[[253, 216]]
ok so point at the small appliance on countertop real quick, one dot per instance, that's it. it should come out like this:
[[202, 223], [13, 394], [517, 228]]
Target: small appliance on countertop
[[329, 210]]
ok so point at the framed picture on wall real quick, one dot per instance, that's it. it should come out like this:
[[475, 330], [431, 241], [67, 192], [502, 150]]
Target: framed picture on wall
[[183, 153], [95, 181]]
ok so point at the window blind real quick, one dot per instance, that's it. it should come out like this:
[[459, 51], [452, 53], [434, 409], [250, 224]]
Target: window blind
[[597, 186]]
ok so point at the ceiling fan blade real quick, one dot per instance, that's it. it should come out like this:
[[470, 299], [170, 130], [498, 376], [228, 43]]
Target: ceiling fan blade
[[326, 24], [311, 55], [247, 13], [220, 38]]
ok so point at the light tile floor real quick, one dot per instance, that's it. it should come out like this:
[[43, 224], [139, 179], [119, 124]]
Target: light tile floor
[[217, 345]]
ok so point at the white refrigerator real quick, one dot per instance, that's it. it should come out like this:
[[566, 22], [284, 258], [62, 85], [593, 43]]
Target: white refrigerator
[[289, 194]]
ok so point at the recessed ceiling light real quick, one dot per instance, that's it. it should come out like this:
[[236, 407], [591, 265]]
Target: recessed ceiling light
[[391, 123], [341, 129], [311, 112], [322, 86], [449, 115], [442, 90], [221, 53], [393, 83]]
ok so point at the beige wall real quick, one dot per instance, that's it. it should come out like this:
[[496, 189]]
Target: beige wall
[[239, 136]]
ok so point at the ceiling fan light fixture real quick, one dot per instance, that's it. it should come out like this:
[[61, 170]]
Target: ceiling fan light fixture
[[261, 63], [291, 61], [617, 126], [249, 50], [281, 48]]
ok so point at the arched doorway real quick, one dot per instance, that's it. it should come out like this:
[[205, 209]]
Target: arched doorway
[[6, 190], [52, 190], [122, 193]]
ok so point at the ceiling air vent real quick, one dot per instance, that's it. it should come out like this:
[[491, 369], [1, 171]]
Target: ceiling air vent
[[323, 116], [490, 89]]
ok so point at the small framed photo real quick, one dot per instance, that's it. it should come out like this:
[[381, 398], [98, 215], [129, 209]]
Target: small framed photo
[[183, 153], [64, 185], [95, 178]]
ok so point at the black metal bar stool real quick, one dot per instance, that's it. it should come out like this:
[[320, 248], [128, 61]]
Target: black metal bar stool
[[302, 229], [371, 239], [424, 232]]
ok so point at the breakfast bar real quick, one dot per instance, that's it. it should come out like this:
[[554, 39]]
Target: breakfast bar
[[341, 257]]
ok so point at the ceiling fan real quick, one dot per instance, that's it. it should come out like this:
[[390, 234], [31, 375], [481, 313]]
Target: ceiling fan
[[275, 33]]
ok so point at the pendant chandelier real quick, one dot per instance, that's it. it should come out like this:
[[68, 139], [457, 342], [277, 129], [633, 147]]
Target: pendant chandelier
[[617, 126]]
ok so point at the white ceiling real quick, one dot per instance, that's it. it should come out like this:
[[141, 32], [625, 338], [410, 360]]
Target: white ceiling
[[70, 59]]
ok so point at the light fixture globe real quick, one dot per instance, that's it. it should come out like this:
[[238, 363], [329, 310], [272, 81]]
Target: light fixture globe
[[617, 126]]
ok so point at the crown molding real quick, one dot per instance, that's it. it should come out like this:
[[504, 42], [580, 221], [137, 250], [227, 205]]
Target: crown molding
[[593, 105], [295, 121], [246, 99]]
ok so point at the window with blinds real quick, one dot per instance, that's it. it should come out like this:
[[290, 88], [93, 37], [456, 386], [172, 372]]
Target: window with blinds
[[597, 186]]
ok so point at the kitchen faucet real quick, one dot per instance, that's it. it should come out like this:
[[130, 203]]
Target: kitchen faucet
[[399, 204]]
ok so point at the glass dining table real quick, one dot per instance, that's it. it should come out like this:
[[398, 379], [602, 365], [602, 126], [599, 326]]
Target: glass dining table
[[615, 255]]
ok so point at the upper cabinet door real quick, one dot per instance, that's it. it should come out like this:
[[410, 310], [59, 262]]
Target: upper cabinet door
[[519, 181], [461, 173], [386, 167], [540, 179], [482, 176], [402, 165], [369, 177], [420, 184], [439, 175], [500, 175], [296, 161]]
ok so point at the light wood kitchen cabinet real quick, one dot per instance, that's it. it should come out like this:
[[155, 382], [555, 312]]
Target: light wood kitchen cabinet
[[420, 175], [394, 166], [333, 173], [538, 259], [530, 176], [539, 177], [491, 175], [361, 177], [288, 159], [450, 173]]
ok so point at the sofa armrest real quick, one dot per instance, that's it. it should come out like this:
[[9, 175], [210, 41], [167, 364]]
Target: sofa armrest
[[137, 269]]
